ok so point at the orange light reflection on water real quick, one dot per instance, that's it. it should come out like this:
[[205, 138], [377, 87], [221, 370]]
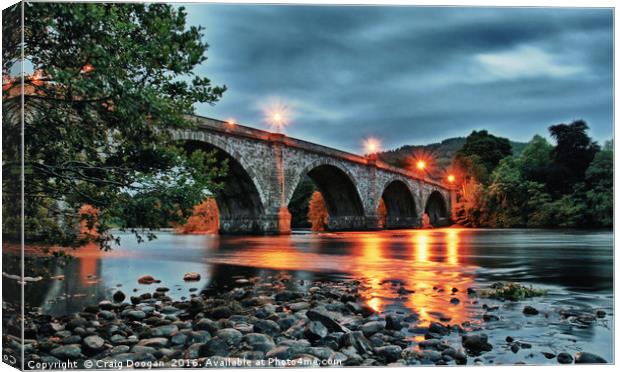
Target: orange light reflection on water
[[428, 262]]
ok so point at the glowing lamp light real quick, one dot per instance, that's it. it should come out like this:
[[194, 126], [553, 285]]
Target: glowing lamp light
[[421, 164], [277, 118], [372, 145], [231, 122], [451, 178], [277, 115], [87, 68]]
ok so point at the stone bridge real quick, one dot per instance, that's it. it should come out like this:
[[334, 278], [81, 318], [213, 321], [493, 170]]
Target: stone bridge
[[265, 168]]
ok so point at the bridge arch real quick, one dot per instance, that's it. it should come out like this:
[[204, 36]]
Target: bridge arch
[[340, 192], [242, 201], [400, 205], [436, 207]]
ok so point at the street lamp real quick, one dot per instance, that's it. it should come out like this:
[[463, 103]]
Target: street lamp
[[420, 164], [451, 178]]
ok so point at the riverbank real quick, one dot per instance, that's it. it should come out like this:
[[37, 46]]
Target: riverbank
[[278, 320]]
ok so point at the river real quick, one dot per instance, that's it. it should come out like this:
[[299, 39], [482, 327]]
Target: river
[[575, 266]]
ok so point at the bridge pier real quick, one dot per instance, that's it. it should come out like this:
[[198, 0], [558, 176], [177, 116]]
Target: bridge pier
[[274, 223], [401, 222], [348, 223]]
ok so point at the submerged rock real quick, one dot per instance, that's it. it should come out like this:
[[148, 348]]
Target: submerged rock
[[589, 358], [476, 344], [529, 310], [564, 358], [191, 277]]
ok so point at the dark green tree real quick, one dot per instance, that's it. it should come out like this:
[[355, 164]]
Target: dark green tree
[[488, 150], [536, 161], [109, 84], [599, 183], [573, 153]]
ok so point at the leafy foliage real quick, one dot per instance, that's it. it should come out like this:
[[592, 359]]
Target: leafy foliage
[[111, 83], [204, 218], [512, 291], [317, 212], [298, 206], [540, 188]]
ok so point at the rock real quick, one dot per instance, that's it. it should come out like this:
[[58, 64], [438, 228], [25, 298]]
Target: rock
[[529, 310], [147, 279], [259, 342], [106, 305], [288, 295], [390, 353], [564, 358], [106, 315], [93, 343], [191, 277], [476, 344], [393, 322], [490, 317], [200, 337], [548, 355], [213, 347], [164, 331], [315, 331], [154, 342], [70, 352], [600, 313], [589, 358], [432, 343], [471, 291], [455, 301], [327, 320], [136, 314], [267, 326], [297, 306], [372, 327], [230, 335], [509, 339], [205, 324], [220, 312], [120, 349], [119, 296], [438, 328], [515, 348], [73, 339], [179, 339], [358, 341]]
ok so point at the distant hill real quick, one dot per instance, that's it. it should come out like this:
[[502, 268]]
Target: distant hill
[[442, 152]]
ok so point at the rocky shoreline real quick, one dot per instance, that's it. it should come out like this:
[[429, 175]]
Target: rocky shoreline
[[272, 321]]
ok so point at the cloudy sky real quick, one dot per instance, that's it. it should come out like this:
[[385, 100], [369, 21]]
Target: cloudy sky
[[409, 75]]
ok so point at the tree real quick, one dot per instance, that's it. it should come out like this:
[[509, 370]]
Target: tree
[[488, 148], [317, 212], [204, 219], [382, 213], [298, 206], [109, 84], [507, 194], [599, 182], [536, 162], [573, 153]]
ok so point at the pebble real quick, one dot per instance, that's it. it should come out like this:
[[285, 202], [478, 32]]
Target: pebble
[[564, 358]]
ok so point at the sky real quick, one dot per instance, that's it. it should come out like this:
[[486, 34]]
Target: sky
[[406, 74]]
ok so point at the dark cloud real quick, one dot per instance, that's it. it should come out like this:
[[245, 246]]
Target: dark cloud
[[410, 75]]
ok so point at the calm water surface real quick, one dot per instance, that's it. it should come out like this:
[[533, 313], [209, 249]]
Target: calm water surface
[[575, 266]]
